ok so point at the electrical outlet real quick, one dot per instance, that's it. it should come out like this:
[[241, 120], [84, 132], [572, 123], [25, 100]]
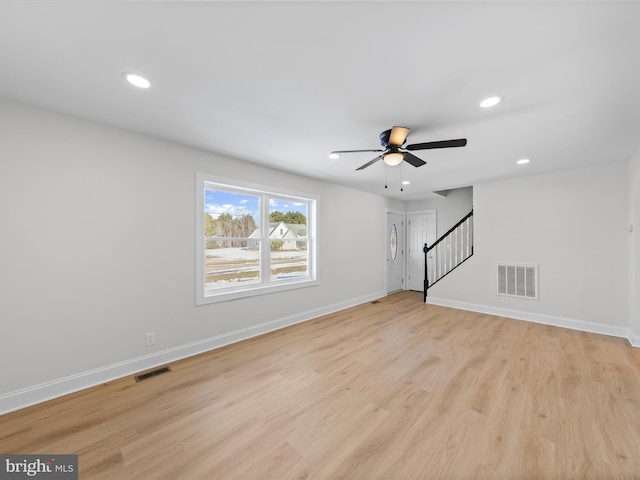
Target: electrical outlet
[[505, 301], [150, 338]]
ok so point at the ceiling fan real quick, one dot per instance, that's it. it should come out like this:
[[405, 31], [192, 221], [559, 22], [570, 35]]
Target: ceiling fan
[[393, 153]]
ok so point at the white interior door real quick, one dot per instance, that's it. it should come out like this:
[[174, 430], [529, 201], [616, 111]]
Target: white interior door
[[395, 252], [422, 229]]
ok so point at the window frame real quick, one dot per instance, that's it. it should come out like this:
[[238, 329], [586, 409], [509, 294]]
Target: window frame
[[265, 285]]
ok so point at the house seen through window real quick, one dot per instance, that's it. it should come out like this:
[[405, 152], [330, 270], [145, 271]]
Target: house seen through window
[[254, 241]]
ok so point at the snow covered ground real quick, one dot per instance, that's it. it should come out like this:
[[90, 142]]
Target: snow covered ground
[[245, 254], [227, 263]]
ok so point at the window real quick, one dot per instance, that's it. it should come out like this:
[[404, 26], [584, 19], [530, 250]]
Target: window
[[252, 240]]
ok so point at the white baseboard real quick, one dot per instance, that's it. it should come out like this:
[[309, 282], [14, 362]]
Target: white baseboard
[[63, 386], [541, 318]]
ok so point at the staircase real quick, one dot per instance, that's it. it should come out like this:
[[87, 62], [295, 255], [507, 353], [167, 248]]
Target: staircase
[[448, 252]]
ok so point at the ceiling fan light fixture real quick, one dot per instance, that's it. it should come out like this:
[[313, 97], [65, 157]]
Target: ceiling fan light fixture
[[490, 102], [334, 156], [523, 161], [398, 136], [394, 158]]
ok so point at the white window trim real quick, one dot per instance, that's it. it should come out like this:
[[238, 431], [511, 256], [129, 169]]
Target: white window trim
[[261, 288]]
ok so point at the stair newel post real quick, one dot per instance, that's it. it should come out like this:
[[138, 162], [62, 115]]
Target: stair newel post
[[426, 272]]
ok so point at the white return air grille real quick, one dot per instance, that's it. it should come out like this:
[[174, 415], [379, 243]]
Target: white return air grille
[[518, 280]]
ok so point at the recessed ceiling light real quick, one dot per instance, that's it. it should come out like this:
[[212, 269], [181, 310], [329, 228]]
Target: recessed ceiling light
[[137, 80], [406, 182], [490, 102], [333, 156], [523, 161]]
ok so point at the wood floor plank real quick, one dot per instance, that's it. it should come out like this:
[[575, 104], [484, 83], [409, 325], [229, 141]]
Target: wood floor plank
[[388, 390]]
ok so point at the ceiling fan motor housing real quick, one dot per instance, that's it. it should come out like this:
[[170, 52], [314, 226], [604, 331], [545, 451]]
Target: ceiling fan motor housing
[[384, 138]]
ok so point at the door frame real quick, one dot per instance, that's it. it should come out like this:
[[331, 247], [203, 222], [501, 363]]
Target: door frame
[[402, 245]]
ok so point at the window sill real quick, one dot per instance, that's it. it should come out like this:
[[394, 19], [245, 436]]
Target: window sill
[[252, 291]]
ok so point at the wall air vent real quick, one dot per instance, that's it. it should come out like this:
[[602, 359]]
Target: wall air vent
[[518, 280], [153, 373]]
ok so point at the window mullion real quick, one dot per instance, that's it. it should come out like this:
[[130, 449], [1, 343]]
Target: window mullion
[[265, 252]]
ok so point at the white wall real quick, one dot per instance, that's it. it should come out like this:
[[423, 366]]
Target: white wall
[[571, 223], [97, 236], [634, 247], [449, 209]]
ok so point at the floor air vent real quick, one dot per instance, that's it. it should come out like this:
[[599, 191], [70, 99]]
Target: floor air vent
[[153, 373], [518, 280]]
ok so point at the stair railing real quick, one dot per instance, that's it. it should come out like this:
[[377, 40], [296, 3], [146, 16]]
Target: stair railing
[[448, 252]]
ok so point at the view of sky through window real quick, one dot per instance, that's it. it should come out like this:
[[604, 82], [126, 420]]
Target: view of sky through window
[[238, 204]]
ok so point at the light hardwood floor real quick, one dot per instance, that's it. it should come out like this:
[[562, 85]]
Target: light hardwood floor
[[389, 390]]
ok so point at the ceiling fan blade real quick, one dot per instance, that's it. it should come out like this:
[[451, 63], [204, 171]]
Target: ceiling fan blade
[[379, 157], [460, 142], [413, 160], [398, 136], [356, 151]]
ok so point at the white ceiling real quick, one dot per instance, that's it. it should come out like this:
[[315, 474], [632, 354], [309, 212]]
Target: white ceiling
[[284, 83]]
